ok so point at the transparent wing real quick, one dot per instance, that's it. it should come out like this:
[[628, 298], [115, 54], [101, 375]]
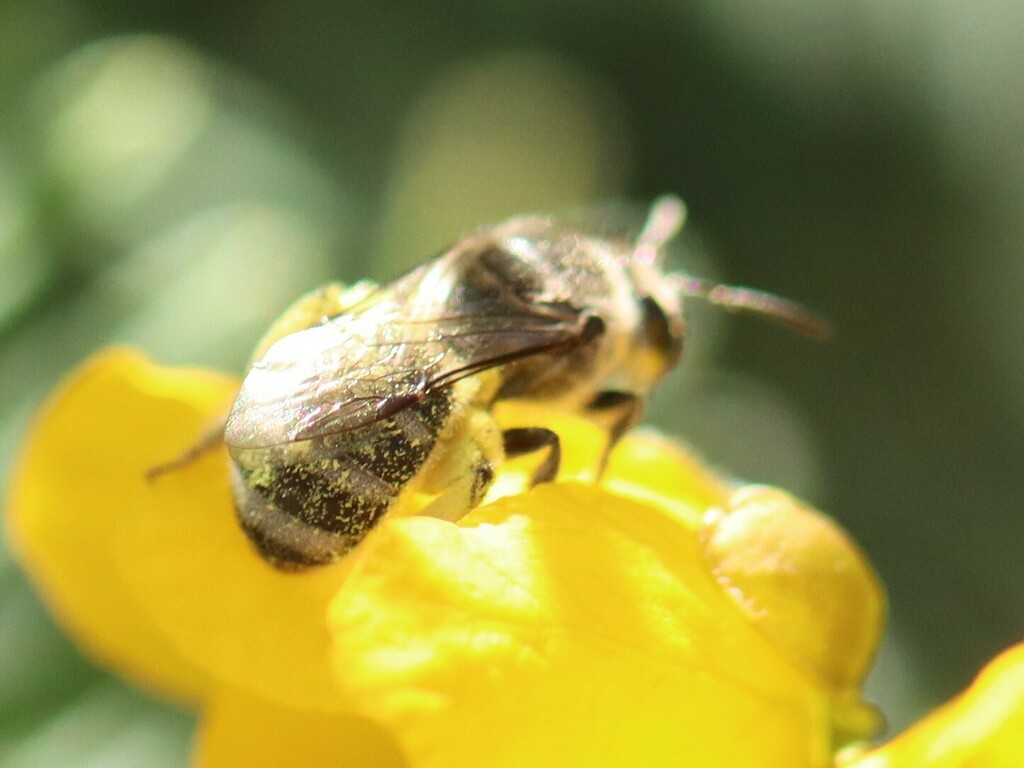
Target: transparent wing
[[357, 369]]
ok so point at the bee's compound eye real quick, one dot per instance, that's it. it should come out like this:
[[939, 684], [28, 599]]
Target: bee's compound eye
[[593, 327], [660, 332]]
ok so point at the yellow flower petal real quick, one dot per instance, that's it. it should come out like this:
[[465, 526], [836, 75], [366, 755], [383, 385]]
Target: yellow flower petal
[[218, 602], [147, 574], [806, 587], [78, 477], [243, 730], [647, 466], [566, 626], [981, 728], [204, 587]]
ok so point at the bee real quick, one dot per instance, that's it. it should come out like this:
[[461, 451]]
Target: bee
[[361, 397]]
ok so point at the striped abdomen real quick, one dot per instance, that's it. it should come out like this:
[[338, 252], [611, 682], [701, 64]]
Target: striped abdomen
[[307, 503]]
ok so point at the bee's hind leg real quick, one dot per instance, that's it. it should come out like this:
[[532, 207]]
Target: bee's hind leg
[[463, 470], [522, 440], [211, 439], [455, 501], [474, 471]]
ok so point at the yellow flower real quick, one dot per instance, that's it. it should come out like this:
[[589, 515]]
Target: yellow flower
[[660, 617], [981, 728]]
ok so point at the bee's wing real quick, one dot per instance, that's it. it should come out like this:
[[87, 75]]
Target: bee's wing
[[357, 369]]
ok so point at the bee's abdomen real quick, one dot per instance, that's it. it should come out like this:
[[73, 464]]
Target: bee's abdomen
[[283, 537], [310, 503]]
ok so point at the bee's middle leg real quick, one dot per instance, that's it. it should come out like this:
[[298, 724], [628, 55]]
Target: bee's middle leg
[[522, 440]]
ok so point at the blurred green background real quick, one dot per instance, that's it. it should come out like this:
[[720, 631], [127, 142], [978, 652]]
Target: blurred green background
[[172, 174]]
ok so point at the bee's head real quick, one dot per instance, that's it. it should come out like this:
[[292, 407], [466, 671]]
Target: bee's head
[[661, 295]]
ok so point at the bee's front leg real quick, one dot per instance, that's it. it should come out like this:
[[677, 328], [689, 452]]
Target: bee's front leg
[[616, 411], [522, 440]]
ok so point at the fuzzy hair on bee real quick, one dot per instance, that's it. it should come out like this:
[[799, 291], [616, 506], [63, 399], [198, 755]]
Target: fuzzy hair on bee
[[357, 397]]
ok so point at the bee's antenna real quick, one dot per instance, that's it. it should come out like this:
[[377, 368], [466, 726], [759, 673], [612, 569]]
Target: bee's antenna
[[739, 299], [666, 218]]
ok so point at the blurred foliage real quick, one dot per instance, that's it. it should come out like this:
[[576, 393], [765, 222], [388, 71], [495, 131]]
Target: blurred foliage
[[173, 174]]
